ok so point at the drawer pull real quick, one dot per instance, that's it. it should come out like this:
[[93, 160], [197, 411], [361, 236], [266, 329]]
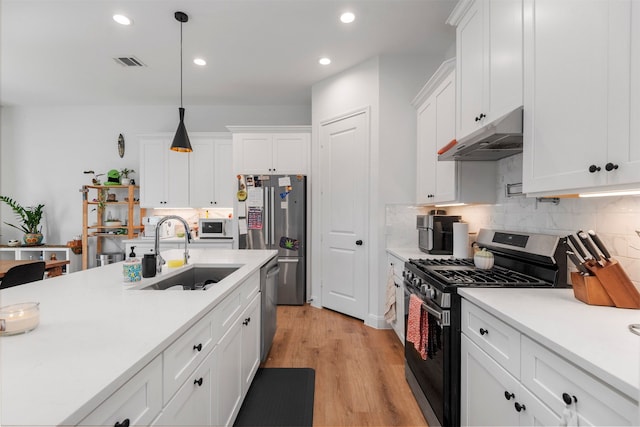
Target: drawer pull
[[569, 399], [483, 331], [198, 381], [198, 347], [246, 321], [519, 407], [125, 423], [508, 395]]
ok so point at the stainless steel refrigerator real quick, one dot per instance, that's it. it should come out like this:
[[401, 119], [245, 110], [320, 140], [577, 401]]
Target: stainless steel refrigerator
[[272, 214]]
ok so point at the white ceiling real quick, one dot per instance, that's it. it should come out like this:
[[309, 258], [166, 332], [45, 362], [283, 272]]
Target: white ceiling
[[259, 52]]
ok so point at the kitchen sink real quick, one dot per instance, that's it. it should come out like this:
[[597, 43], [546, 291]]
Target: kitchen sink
[[195, 279]]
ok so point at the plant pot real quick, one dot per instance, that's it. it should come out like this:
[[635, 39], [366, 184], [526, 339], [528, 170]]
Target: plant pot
[[125, 181], [31, 239]]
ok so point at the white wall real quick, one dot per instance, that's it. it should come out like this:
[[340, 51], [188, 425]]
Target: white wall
[[386, 85], [44, 150]]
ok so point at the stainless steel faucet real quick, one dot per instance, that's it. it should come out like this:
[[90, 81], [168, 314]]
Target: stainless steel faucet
[[156, 247]]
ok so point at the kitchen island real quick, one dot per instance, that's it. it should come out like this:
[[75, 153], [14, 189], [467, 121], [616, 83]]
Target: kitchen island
[[549, 343], [97, 332]]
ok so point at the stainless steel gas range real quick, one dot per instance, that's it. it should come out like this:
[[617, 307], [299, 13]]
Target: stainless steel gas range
[[433, 372]]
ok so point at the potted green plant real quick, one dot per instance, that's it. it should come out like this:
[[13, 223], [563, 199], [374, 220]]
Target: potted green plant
[[29, 217], [124, 176]]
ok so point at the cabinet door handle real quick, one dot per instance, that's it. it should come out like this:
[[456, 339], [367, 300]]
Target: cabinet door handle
[[569, 399], [246, 321], [519, 407], [198, 381], [482, 116], [125, 423], [594, 168], [509, 396], [483, 331], [198, 347], [610, 166]]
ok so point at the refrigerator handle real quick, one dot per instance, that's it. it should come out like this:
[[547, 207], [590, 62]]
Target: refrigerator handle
[[272, 224], [266, 211]]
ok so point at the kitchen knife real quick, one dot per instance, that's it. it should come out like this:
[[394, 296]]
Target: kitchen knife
[[577, 247], [574, 259], [571, 245], [600, 245], [586, 241]]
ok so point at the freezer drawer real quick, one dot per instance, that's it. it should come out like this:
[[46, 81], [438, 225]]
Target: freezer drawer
[[292, 281]]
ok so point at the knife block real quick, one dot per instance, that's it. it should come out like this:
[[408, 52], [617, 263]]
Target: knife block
[[589, 290], [616, 283]]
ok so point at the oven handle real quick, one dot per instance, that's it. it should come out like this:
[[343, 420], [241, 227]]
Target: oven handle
[[438, 314]]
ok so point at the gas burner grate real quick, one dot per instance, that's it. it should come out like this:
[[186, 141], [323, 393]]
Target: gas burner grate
[[497, 276]]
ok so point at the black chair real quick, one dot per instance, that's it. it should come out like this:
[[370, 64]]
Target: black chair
[[23, 273]]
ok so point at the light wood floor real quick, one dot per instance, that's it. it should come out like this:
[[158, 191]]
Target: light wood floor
[[359, 370]]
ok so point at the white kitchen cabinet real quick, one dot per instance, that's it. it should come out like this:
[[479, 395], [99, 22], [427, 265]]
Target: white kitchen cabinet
[[489, 61], [491, 396], [271, 149], [250, 342], [582, 101], [397, 265], [445, 182], [164, 174], [137, 402], [509, 379], [187, 352], [549, 376], [230, 381], [211, 179], [193, 403]]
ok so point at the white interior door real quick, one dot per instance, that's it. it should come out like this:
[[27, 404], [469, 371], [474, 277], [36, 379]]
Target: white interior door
[[344, 147]]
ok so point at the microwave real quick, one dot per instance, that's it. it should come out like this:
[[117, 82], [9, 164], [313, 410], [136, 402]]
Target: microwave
[[214, 228], [435, 233]]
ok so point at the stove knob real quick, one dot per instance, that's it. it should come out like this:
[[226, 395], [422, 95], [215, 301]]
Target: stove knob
[[417, 282], [431, 293]]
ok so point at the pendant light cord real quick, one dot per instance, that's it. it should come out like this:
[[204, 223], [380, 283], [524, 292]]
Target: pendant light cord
[[181, 65]]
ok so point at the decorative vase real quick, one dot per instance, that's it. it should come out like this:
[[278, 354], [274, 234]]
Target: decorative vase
[[31, 239]]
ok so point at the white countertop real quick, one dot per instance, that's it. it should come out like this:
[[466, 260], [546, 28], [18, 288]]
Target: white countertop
[[95, 332], [595, 338]]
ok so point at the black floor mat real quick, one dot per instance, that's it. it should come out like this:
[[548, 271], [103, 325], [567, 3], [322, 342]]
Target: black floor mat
[[279, 397]]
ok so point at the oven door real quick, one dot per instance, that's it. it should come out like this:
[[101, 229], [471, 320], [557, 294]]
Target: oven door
[[434, 375]]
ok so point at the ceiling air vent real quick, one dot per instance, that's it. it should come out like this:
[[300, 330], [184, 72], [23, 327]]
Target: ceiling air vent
[[129, 61]]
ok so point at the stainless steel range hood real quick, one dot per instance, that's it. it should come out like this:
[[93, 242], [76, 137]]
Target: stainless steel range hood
[[496, 140]]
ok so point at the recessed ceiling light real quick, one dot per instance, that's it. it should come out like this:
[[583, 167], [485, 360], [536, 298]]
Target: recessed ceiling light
[[200, 61], [347, 17], [122, 20], [324, 61]]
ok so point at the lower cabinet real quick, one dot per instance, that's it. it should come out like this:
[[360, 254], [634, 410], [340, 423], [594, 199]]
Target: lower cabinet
[[193, 403], [397, 265], [238, 361], [201, 378], [491, 396], [137, 402], [509, 379]]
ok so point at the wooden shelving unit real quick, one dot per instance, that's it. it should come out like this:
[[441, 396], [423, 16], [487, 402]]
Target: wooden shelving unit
[[95, 196]]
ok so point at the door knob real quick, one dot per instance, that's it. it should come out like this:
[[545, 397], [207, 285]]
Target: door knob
[[359, 242]]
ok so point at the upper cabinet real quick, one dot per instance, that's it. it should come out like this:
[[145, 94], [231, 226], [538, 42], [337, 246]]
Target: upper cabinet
[[212, 182], [164, 174], [446, 181], [489, 61], [271, 149], [582, 95], [203, 178]]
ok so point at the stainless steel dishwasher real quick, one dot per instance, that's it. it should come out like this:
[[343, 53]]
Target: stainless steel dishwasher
[[269, 297]]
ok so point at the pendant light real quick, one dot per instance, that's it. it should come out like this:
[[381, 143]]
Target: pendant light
[[181, 141]]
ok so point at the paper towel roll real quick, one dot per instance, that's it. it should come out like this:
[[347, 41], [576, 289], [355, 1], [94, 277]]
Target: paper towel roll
[[460, 240]]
